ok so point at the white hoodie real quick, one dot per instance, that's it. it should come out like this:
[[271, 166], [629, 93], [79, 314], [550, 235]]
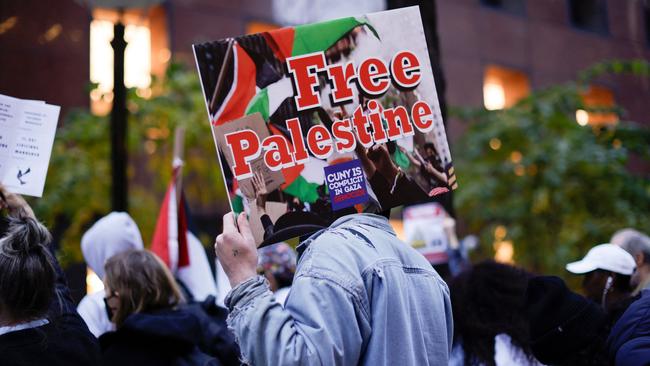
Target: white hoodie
[[111, 235]]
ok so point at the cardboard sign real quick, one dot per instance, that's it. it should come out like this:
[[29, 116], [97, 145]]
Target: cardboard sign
[[255, 123], [292, 102], [27, 131]]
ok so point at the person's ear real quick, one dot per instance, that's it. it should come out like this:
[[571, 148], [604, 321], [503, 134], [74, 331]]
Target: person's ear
[[639, 258]]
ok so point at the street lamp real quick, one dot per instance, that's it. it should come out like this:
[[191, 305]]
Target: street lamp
[[119, 113]]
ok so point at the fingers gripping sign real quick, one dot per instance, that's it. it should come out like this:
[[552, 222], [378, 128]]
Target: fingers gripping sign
[[236, 249]]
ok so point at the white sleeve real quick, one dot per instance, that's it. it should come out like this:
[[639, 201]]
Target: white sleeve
[[93, 311], [505, 353]]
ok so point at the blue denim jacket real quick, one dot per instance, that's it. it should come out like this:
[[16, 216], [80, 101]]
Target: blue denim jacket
[[360, 297]]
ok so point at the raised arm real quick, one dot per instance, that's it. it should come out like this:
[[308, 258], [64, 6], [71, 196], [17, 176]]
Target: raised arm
[[321, 324]]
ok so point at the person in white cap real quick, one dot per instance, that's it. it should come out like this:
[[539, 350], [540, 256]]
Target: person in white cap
[[113, 234], [607, 269]]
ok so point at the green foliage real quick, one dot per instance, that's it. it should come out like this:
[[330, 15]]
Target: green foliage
[[77, 191], [558, 188]]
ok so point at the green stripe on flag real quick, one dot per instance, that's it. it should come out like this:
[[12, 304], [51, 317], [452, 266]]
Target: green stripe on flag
[[305, 191], [321, 36], [259, 103], [237, 204], [401, 159]]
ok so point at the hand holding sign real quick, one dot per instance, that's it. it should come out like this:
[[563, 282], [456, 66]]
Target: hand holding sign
[[236, 249]]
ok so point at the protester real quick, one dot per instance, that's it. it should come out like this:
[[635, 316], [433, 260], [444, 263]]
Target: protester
[[38, 321], [360, 296], [490, 325], [143, 301], [638, 245], [565, 328], [629, 340], [607, 269], [278, 264], [113, 234]]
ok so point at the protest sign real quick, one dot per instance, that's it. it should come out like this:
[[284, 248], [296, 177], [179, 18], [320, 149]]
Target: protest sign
[[27, 131], [346, 111], [424, 230]]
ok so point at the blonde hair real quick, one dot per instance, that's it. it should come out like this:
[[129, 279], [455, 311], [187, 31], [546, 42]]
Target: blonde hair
[[143, 284]]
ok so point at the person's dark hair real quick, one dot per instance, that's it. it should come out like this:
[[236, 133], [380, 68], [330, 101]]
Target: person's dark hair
[[622, 283], [565, 328], [487, 300], [429, 145], [27, 274]]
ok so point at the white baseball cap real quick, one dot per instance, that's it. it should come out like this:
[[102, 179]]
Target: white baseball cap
[[608, 257]]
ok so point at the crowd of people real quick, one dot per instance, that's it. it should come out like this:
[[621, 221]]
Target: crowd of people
[[349, 294]]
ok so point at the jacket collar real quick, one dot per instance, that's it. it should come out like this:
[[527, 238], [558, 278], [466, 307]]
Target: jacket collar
[[372, 220]]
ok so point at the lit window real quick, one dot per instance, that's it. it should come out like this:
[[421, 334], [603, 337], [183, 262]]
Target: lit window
[[503, 87], [590, 15], [511, 6], [597, 97], [137, 58]]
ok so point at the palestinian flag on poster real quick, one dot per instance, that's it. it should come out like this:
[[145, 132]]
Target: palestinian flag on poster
[[304, 39], [250, 94], [300, 40], [242, 89], [179, 248], [287, 42]]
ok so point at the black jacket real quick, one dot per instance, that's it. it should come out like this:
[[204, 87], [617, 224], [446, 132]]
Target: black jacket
[[216, 340], [629, 340], [65, 341], [166, 337]]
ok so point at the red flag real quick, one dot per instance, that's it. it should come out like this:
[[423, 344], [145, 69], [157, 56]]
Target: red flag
[[170, 237], [179, 248]]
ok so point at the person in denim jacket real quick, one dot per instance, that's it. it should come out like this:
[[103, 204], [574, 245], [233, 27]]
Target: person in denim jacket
[[360, 296]]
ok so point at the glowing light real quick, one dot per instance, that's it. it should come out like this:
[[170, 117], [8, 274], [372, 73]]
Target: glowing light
[[494, 97], [582, 117], [515, 157], [617, 143], [504, 252], [8, 24], [95, 95], [495, 144], [51, 34], [137, 56], [137, 59], [143, 93], [164, 55], [520, 170], [500, 232], [93, 282]]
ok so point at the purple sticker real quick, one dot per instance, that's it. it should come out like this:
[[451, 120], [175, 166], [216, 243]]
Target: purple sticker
[[346, 183]]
